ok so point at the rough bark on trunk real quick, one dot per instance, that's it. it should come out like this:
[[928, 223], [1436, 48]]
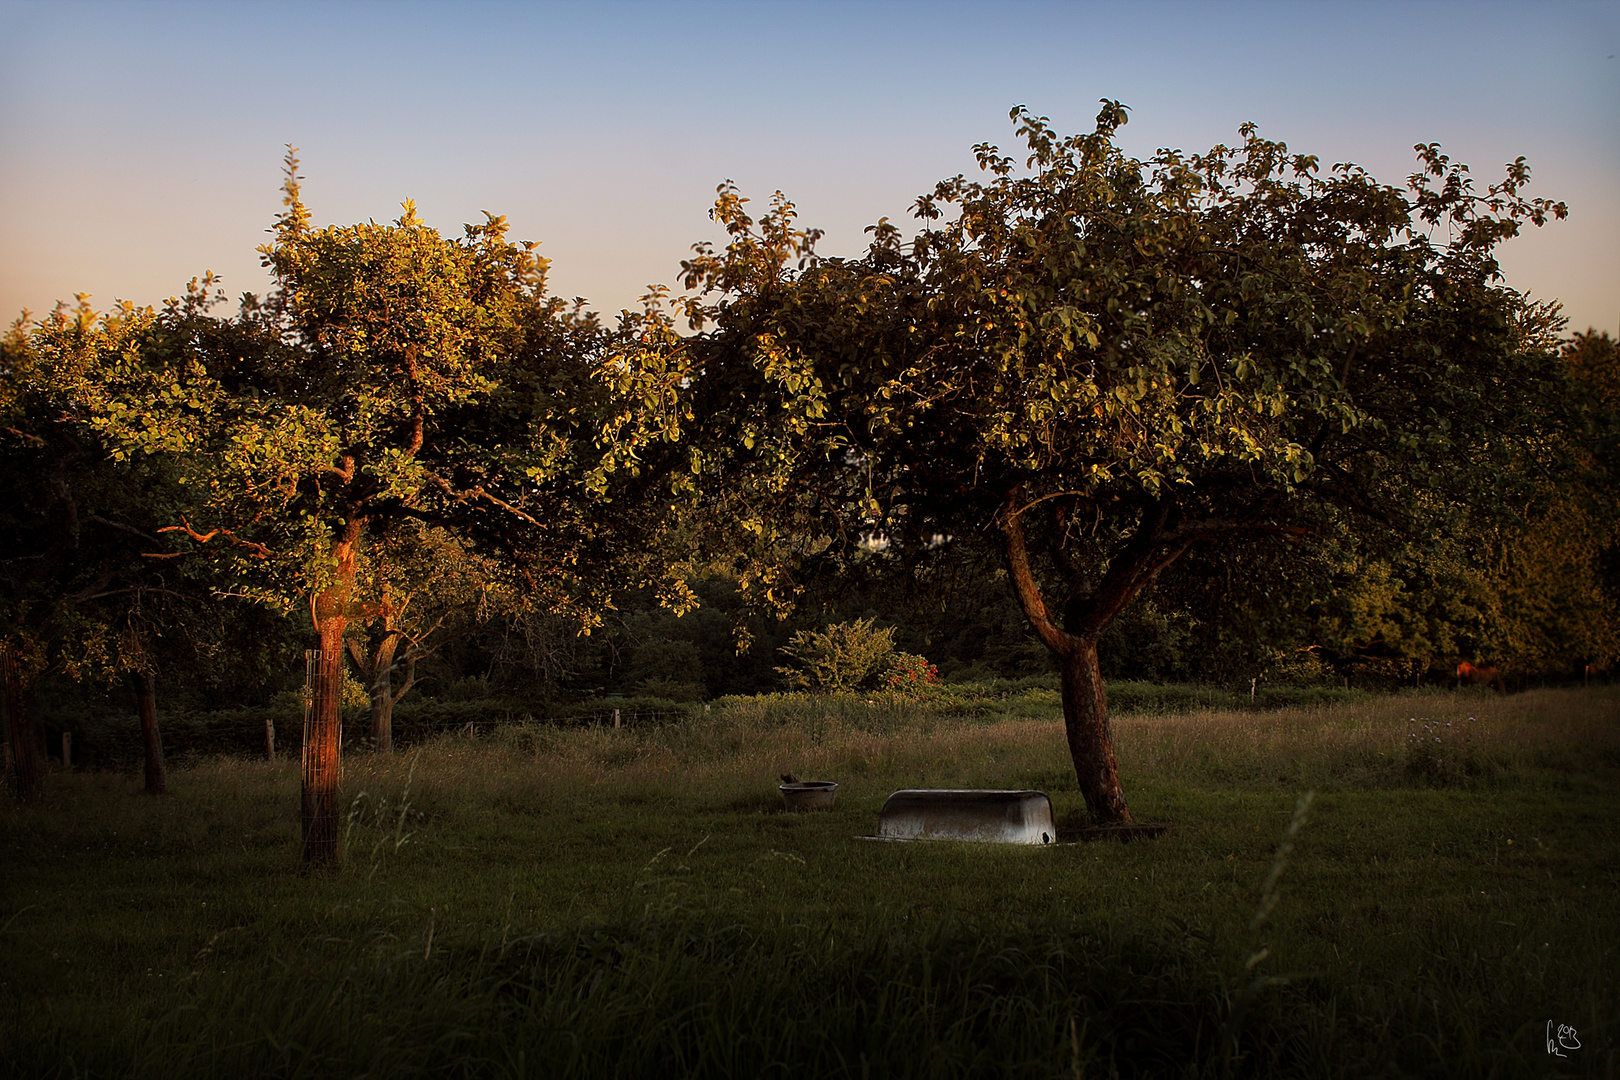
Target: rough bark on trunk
[[382, 718], [27, 739], [157, 780], [323, 741], [1091, 737], [1085, 703], [322, 748], [378, 669], [382, 693], [1158, 539]]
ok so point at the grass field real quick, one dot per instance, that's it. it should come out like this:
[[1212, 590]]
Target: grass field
[[1408, 885]]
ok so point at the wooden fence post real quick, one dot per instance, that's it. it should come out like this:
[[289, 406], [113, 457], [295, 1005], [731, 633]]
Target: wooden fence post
[[311, 664], [615, 718]]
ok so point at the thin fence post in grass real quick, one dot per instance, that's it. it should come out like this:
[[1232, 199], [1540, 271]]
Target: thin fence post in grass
[[615, 718], [270, 736], [308, 696]]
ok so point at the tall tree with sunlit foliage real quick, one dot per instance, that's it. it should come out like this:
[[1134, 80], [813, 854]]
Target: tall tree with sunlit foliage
[[392, 378], [1095, 363]]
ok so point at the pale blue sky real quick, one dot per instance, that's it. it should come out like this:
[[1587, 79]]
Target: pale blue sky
[[142, 140]]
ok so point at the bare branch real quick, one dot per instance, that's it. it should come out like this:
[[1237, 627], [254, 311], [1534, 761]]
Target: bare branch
[[140, 590], [25, 437], [477, 493], [89, 591], [202, 538], [1214, 529], [410, 678], [1029, 593]]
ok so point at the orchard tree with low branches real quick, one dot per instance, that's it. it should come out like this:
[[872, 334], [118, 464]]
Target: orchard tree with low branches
[[1093, 364], [393, 380], [90, 587]]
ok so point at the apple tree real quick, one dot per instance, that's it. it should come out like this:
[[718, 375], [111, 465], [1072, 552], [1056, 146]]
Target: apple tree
[[1094, 363], [393, 380]]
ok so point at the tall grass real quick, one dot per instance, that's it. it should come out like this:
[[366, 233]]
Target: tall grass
[[1368, 742], [584, 901], [1428, 737]]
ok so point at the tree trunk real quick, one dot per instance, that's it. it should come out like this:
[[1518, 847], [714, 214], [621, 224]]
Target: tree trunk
[[378, 671], [324, 740], [22, 720], [323, 746], [382, 692], [382, 718], [1158, 539], [1091, 737], [1074, 647], [157, 780]]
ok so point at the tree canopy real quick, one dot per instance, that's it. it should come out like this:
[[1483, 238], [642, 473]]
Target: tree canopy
[[1311, 392], [1098, 363], [91, 587], [392, 381]]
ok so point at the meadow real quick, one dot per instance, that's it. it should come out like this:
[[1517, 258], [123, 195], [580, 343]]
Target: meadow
[[1413, 884]]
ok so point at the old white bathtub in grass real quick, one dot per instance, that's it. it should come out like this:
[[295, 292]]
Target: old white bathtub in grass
[[983, 815]]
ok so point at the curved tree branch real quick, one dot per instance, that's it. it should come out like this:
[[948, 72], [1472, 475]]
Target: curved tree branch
[[202, 538], [1023, 579]]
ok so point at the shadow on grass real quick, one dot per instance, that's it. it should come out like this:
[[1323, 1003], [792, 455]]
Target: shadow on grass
[[681, 995]]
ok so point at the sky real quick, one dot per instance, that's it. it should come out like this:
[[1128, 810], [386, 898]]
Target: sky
[[143, 140]]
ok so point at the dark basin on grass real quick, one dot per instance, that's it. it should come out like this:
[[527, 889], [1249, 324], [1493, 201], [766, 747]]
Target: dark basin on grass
[[808, 794]]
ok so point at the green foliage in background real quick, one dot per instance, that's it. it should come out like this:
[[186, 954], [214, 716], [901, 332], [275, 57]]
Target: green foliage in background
[[842, 657], [1089, 365]]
